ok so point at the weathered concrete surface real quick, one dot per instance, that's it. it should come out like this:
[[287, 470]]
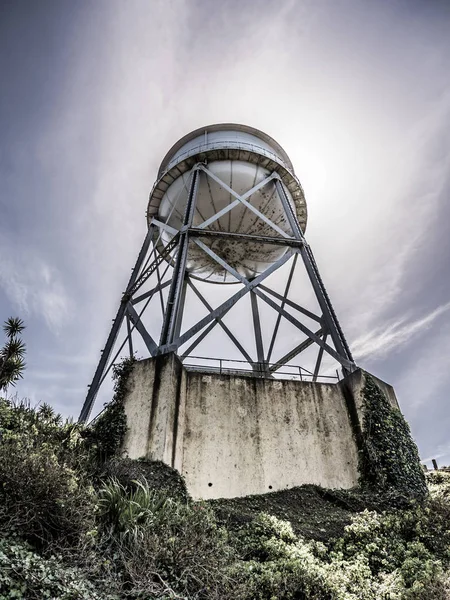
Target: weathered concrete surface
[[231, 435]]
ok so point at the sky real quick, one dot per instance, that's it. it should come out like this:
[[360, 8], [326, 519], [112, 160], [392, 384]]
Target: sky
[[93, 95]]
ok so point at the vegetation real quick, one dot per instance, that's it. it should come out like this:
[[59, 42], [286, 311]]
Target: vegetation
[[80, 522], [12, 364], [389, 461]]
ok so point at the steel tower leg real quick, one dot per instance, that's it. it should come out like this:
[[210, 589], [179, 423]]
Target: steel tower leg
[[174, 308], [260, 367], [329, 315], [117, 323]]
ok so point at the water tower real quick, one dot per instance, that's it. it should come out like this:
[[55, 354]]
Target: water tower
[[226, 222]]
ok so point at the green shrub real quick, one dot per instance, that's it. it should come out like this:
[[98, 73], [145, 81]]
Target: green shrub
[[165, 547], [278, 565], [26, 575], [44, 493], [140, 537], [107, 431], [389, 460]]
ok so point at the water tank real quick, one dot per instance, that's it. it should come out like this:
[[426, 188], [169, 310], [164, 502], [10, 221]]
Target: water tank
[[241, 157]]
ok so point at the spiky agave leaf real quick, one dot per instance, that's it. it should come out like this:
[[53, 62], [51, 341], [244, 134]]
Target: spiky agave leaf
[[11, 370], [46, 412], [14, 348], [13, 326]]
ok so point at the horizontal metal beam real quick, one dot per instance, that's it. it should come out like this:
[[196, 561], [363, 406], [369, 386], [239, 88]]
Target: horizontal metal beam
[[243, 237]]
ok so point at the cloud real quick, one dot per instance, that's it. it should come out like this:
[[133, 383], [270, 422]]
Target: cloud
[[33, 286], [383, 340], [442, 451]]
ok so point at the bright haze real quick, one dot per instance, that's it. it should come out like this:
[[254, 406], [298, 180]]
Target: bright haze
[[358, 93]]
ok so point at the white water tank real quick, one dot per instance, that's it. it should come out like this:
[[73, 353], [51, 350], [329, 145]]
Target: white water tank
[[241, 157]]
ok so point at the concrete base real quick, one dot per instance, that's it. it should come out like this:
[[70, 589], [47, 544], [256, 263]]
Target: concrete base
[[231, 435]]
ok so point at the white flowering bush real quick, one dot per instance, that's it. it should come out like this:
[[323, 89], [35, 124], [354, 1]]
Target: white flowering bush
[[439, 484], [371, 561]]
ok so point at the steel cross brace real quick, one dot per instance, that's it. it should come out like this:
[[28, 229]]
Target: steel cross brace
[[242, 200], [278, 321], [294, 352], [224, 307], [344, 361], [219, 321]]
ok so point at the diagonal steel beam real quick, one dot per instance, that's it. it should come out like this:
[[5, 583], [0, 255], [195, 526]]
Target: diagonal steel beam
[[219, 311], [157, 288], [204, 333], [206, 304], [221, 262], [342, 359], [294, 352], [135, 319], [164, 226], [278, 321], [285, 300], [319, 360], [121, 347], [218, 215], [247, 194], [243, 200], [266, 219], [110, 342], [329, 315], [236, 202], [163, 255]]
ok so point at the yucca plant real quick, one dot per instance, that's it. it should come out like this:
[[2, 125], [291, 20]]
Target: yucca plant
[[12, 364], [124, 513]]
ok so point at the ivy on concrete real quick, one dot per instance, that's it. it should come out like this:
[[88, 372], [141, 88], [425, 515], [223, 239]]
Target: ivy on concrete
[[389, 459], [109, 429]]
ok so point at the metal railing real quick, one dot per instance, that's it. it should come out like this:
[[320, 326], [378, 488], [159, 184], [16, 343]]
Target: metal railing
[[260, 370], [264, 370]]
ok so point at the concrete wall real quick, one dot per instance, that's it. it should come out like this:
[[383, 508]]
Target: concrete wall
[[231, 435]]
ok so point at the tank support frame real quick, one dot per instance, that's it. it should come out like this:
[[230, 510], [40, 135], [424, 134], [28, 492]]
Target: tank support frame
[[155, 262]]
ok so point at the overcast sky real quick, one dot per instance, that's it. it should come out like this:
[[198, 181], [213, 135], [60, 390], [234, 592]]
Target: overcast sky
[[95, 92]]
